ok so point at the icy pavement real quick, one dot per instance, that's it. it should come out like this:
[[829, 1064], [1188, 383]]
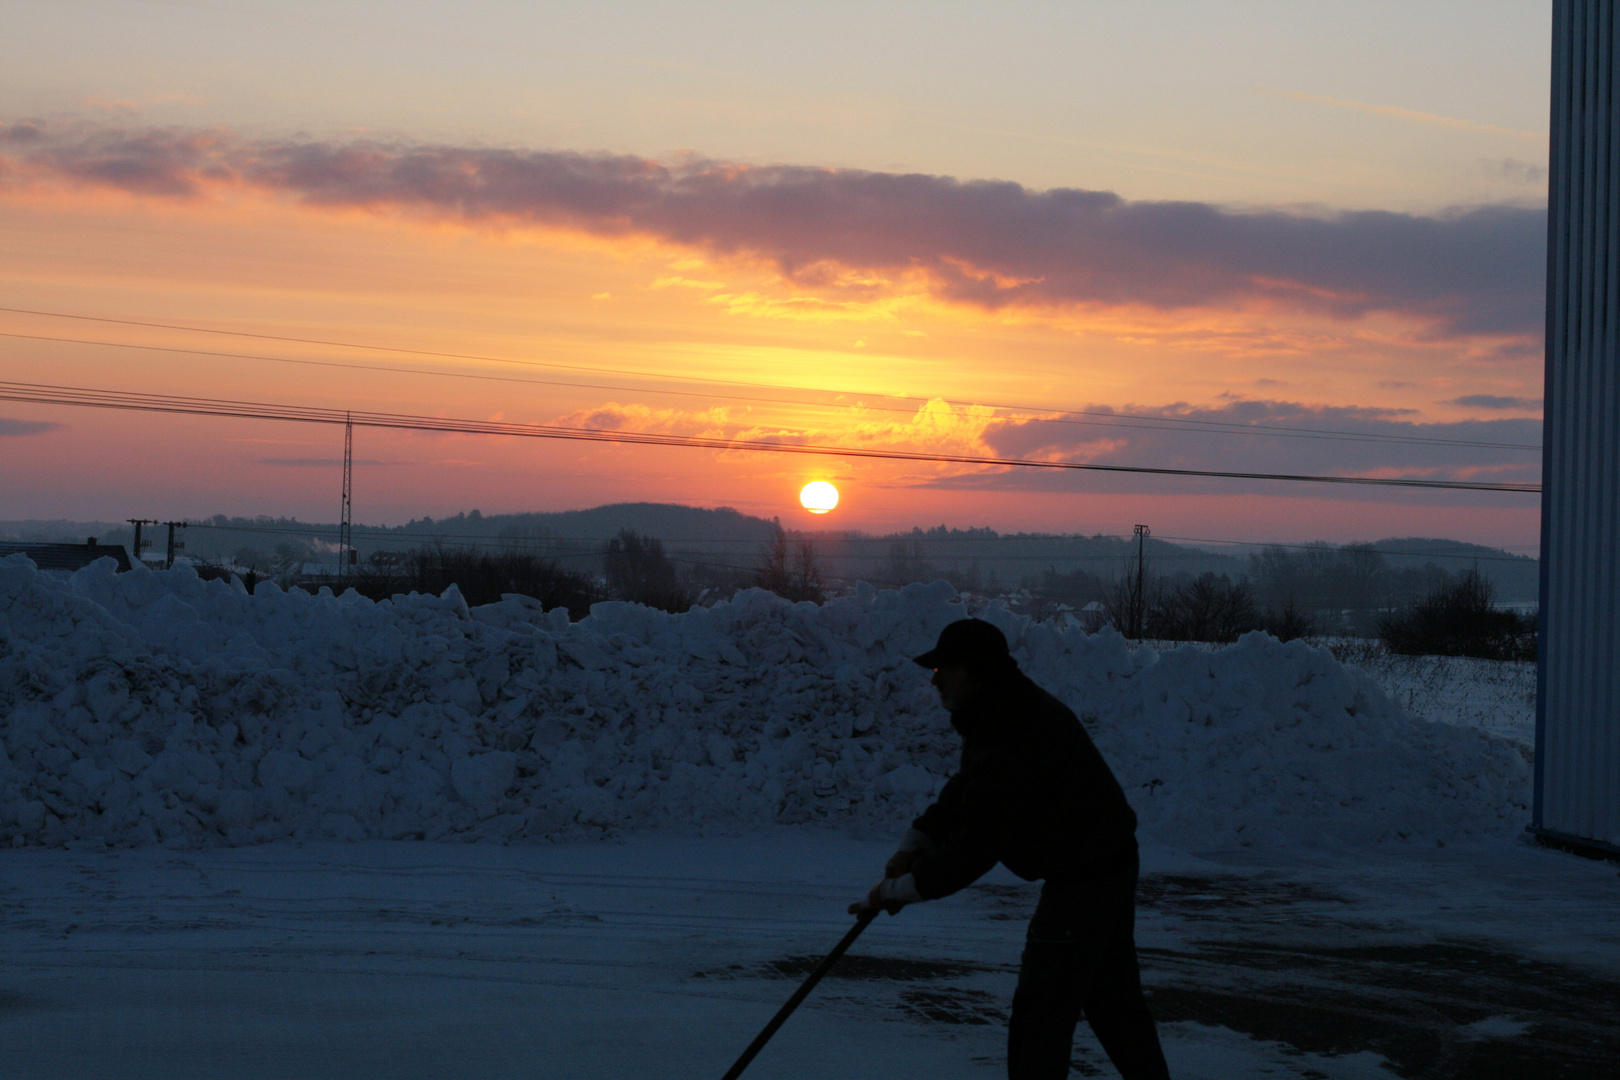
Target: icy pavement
[[662, 956]]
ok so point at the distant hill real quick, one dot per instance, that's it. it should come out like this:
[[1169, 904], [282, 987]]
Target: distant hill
[[670, 522]]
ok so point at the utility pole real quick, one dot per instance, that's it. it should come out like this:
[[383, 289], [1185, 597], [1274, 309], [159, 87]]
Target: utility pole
[[1139, 615], [135, 555], [173, 547], [346, 525]]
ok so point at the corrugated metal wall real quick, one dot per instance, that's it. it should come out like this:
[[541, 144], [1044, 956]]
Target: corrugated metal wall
[[1578, 710]]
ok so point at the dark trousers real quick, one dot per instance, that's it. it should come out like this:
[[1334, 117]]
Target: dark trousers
[[1080, 957]]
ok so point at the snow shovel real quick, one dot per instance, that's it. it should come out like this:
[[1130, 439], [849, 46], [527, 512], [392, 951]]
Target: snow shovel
[[799, 995]]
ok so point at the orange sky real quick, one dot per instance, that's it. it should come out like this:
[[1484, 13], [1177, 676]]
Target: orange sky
[[842, 306]]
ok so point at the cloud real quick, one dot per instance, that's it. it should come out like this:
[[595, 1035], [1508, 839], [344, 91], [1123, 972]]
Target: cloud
[[716, 423], [22, 131], [854, 233], [27, 427], [1274, 436], [1396, 112], [936, 426], [152, 161], [1493, 401], [1513, 170]]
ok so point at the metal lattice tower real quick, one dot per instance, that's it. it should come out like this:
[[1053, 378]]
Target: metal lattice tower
[[346, 523]]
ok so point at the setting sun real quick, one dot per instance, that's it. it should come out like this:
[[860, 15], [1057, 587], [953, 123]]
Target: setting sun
[[818, 496]]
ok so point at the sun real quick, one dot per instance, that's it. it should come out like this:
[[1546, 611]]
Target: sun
[[818, 496]]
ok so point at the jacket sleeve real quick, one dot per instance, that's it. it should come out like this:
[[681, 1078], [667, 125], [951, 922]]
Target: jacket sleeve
[[962, 853], [941, 819]]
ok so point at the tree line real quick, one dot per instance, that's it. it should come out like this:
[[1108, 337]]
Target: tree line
[[1311, 591], [1349, 591], [634, 568]]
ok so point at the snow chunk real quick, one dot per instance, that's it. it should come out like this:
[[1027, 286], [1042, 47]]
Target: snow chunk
[[481, 781]]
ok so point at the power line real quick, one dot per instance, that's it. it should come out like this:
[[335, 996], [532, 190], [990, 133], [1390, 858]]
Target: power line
[[1054, 416], [112, 399], [448, 374]]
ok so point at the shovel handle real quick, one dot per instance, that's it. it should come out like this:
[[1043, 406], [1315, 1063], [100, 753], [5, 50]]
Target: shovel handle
[[799, 995]]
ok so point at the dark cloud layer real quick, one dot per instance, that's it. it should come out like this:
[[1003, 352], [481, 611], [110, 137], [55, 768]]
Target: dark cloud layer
[[992, 243], [1495, 401], [26, 427], [1314, 445]]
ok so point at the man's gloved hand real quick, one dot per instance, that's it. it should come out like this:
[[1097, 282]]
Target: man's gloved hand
[[912, 847], [891, 894]]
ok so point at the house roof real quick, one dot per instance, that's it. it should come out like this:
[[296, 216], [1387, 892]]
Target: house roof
[[65, 556]]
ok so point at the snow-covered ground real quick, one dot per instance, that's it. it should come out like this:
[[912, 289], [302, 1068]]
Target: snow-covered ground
[[1496, 697], [214, 803]]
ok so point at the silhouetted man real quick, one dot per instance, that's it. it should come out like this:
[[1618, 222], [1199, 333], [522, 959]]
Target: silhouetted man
[[1034, 794]]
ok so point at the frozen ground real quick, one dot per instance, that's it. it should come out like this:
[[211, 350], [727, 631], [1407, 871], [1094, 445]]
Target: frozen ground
[[661, 956]]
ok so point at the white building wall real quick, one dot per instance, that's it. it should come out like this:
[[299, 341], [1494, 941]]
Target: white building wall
[[1578, 711]]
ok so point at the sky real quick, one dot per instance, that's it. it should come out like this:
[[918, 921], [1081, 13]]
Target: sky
[[1263, 237]]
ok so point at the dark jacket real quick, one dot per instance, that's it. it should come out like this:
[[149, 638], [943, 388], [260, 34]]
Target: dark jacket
[[1032, 793]]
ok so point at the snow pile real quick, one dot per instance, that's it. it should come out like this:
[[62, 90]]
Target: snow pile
[[154, 707]]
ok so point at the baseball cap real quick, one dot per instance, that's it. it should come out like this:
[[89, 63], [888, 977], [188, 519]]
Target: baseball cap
[[968, 643]]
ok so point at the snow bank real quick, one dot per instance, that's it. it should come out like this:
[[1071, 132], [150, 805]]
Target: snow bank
[[153, 707]]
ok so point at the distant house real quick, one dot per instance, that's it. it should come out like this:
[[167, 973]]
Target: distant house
[[67, 557]]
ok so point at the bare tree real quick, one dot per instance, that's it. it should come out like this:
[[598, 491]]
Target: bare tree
[[1132, 596], [1461, 619], [906, 562], [1211, 607], [793, 573]]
